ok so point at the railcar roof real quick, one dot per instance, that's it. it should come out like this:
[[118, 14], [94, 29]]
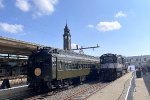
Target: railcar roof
[[71, 55]]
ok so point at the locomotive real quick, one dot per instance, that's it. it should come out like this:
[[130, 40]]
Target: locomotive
[[55, 68], [112, 66]]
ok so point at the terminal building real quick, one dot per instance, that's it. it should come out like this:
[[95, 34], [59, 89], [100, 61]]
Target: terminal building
[[138, 61]]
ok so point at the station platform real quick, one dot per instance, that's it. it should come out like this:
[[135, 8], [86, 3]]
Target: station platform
[[119, 89], [142, 89]]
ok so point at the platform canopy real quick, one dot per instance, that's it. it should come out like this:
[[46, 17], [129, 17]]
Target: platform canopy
[[17, 47]]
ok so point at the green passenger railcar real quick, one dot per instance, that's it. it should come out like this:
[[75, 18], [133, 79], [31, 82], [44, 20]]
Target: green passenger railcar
[[56, 68]]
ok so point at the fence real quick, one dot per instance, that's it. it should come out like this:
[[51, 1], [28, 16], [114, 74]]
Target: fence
[[131, 88]]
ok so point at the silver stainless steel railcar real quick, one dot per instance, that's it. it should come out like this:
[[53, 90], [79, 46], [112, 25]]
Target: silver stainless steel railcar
[[112, 66]]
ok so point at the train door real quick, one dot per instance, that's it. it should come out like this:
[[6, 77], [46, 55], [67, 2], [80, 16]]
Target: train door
[[54, 67]]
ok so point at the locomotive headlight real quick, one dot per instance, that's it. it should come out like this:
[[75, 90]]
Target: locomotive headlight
[[37, 71]]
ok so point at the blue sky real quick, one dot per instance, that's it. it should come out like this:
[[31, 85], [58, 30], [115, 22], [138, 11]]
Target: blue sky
[[118, 26]]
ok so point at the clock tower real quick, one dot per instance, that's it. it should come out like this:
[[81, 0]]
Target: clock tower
[[67, 38]]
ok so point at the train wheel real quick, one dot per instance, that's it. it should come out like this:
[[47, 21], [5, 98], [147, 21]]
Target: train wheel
[[59, 84], [49, 85], [70, 81], [82, 79]]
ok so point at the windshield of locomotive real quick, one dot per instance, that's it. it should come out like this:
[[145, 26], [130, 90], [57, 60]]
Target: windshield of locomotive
[[108, 59]]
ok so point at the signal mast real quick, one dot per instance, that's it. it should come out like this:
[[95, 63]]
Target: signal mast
[[81, 48]]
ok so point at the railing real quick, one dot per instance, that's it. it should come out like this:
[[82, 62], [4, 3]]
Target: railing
[[131, 88]]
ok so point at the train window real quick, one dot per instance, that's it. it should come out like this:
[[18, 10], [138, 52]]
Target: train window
[[69, 65], [88, 66], [79, 66], [144, 59], [1, 71], [73, 66], [54, 63], [60, 65], [66, 66], [83, 65], [76, 66], [101, 60]]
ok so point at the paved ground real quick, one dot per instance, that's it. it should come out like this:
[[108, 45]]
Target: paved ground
[[142, 89], [115, 91]]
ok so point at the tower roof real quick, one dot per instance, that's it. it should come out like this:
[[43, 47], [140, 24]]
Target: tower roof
[[66, 29]]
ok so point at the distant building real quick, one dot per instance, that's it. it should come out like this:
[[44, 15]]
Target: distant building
[[138, 61], [67, 38]]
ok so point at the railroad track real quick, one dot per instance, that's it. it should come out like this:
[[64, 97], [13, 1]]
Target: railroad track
[[80, 92], [48, 94], [22, 92], [86, 92]]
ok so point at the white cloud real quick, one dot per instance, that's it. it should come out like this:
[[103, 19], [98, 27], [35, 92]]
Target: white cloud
[[44, 7], [1, 4], [120, 14], [23, 5], [37, 7], [11, 28], [90, 26], [108, 26]]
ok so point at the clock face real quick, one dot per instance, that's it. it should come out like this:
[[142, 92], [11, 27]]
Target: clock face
[[65, 37]]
